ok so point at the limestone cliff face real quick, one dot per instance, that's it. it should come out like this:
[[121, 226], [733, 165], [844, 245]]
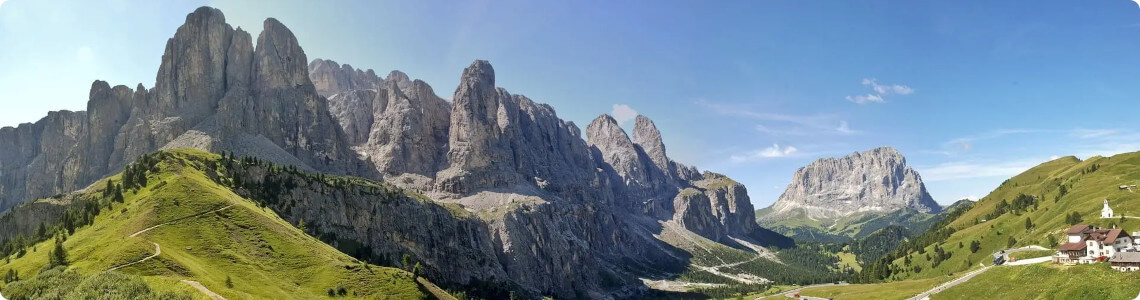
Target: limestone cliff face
[[213, 91], [330, 78], [546, 208], [876, 180]]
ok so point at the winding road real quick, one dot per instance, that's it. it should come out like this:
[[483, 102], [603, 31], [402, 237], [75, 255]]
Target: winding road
[[926, 295]]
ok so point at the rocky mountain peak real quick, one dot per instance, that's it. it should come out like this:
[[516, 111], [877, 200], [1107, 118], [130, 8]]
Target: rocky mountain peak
[[877, 180], [331, 78], [645, 134], [402, 80], [281, 61], [616, 148], [191, 77]]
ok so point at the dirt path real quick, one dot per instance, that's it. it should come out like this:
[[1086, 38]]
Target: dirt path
[[203, 289], [157, 251], [177, 220]]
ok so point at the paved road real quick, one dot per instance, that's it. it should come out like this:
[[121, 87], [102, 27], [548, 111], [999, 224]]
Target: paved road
[[968, 276], [1030, 261], [952, 283]]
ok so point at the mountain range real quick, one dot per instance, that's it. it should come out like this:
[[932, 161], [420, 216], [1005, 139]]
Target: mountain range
[[514, 199]]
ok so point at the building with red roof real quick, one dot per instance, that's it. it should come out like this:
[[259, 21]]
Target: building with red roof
[[1089, 244]]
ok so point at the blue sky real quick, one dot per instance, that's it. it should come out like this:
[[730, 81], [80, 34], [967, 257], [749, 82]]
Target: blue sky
[[971, 94]]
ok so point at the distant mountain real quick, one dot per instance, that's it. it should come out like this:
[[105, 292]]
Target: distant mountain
[[834, 199], [515, 199]]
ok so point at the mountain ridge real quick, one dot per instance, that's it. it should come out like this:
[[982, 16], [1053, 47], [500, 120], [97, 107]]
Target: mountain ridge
[[558, 212]]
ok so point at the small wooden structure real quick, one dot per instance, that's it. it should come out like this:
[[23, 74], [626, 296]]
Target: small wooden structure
[[1126, 261]]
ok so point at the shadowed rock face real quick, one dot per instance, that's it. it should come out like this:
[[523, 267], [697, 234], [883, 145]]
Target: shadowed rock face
[[557, 213], [213, 91], [877, 180]]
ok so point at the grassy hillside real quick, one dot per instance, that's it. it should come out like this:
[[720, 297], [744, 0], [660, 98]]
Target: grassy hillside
[[881, 291], [1032, 208], [1047, 281], [206, 234]]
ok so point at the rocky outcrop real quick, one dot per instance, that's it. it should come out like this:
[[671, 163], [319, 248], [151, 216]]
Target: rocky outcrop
[[876, 180], [520, 198], [645, 134], [213, 91], [329, 78]]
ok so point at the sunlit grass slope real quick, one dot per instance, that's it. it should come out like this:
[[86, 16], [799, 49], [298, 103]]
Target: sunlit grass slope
[[1058, 188], [210, 235]]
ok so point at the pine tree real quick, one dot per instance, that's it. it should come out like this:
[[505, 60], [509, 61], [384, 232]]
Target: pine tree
[[58, 255], [417, 269], [119, 194], [407, 262], [229, 282], [1028, 224], [107, 191]]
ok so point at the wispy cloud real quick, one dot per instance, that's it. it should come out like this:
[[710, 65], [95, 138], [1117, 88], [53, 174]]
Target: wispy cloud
[[785, 124], [966, 143], [887, 89], [623, 113], [775, 151], [868, 98], [976, 169], [845, 129], [881, 90], [1093, 133]]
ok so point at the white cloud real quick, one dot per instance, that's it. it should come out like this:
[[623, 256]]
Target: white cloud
[[868, 98], [2, 2], [880, 91], [623, 113], [771, 152], [887, 89]]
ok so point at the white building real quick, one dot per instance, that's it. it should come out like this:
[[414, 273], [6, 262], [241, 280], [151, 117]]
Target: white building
[[1088, 244], [1106, 212]]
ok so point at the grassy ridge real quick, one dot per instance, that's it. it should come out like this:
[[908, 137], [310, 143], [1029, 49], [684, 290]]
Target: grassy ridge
[[261, 255], [1059, 188]]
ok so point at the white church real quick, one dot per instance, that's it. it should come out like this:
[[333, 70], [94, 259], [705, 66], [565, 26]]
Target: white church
[[1106, 212]]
